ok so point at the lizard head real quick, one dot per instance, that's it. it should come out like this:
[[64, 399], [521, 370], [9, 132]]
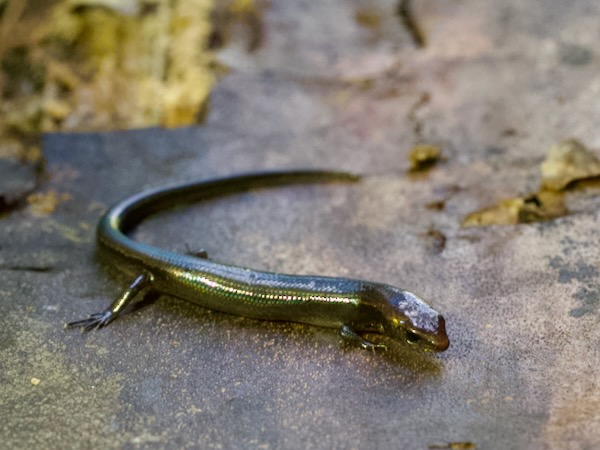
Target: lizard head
[[408, 318]]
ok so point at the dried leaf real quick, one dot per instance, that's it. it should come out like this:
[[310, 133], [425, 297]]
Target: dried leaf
[[538, 207], [45, 203], [109, 65], [423, 156], [568, 162]]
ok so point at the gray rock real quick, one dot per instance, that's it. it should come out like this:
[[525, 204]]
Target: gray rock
[[324, 91]]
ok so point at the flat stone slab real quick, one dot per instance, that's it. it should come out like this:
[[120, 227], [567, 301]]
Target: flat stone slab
[[494, 87]]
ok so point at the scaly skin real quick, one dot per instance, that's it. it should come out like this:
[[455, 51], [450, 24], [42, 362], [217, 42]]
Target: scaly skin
[[352, 306]]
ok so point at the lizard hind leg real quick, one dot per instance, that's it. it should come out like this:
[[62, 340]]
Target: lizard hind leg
[[101, 319]]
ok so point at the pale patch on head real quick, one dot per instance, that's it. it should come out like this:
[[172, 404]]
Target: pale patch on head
[[420, 315]]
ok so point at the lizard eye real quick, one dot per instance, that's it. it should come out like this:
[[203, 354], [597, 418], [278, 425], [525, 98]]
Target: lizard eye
[[412, 337]]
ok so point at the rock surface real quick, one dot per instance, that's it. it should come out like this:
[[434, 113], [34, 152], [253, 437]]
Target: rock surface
[[494, 87]]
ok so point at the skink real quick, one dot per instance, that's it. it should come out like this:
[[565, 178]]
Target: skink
[[354, 307]]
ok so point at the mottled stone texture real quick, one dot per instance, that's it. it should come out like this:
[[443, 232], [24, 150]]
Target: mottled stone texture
[[495, 86]]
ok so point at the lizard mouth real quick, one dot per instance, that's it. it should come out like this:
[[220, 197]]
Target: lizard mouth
[[441, 338], [441, 343]]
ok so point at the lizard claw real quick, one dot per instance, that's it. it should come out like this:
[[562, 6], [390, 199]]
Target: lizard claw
[[94, 322]]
